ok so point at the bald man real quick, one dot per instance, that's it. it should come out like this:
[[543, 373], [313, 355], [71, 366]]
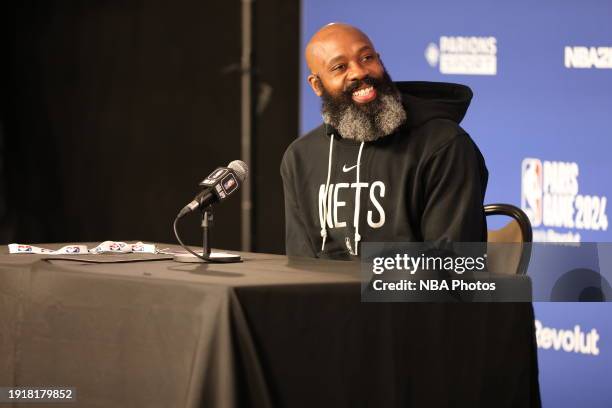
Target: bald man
[[389, 163]]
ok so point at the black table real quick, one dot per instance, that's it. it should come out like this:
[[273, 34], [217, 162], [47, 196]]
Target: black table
[[266, 332]]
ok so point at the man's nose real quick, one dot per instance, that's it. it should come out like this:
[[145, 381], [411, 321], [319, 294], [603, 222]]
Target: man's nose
[[357, 72]]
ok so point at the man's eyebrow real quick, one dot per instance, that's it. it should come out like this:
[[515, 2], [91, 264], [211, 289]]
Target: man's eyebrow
[[365, 48], [336, 59]]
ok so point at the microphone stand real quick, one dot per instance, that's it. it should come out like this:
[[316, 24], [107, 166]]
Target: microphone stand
[[207, 220], [207, 255]]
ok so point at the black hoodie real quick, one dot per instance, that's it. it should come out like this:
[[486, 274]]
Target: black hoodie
[[425, 182]]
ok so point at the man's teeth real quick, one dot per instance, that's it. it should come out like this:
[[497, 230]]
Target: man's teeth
[[363, 92]]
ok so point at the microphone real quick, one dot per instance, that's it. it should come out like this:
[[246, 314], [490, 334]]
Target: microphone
[[219, 185]]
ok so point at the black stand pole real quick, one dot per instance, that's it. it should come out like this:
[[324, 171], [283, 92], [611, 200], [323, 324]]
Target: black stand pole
[[207, 220]]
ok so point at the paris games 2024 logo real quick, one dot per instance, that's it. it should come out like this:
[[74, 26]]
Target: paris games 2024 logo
[[549, 197]]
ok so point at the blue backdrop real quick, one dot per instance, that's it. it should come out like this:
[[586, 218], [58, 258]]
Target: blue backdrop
[[541, 73]]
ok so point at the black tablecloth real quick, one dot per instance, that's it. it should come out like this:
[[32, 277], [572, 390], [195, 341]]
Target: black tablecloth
[[266, 332]]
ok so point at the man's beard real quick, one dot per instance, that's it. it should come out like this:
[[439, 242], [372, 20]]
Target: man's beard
[[365, 122]]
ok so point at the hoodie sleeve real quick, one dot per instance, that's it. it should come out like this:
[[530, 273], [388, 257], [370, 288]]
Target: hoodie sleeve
[[455, 185], [297, 242]]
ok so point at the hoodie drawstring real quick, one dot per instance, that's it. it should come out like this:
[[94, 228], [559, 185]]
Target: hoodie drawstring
[[325, 209], [357, 204], [357, 198]]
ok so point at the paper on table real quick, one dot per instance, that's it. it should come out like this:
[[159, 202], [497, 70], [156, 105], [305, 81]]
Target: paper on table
[[106, 247]]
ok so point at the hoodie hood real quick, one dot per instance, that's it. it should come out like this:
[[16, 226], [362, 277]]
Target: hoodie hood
[[425, 101]]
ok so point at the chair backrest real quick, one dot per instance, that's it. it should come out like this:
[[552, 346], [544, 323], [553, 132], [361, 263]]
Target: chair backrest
[[511, 258]]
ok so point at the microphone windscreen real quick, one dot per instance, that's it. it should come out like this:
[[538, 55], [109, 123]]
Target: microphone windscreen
[[241, 169]]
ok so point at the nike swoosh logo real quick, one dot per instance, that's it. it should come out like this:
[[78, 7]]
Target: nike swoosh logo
[[347, 169]]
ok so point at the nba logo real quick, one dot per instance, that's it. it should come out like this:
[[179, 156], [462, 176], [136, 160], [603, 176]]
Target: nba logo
[[532, 190]]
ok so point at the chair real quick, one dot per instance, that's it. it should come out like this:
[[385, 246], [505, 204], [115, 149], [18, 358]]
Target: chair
[[512, 258]]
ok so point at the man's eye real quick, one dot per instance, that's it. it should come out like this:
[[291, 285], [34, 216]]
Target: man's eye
[[368, 57], [338, 67]]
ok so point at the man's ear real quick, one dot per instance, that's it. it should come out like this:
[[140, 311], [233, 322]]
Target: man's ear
[[315, 84]]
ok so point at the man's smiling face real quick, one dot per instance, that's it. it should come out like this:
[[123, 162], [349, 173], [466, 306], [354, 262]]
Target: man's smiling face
[[358, 97], [341, 58]]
